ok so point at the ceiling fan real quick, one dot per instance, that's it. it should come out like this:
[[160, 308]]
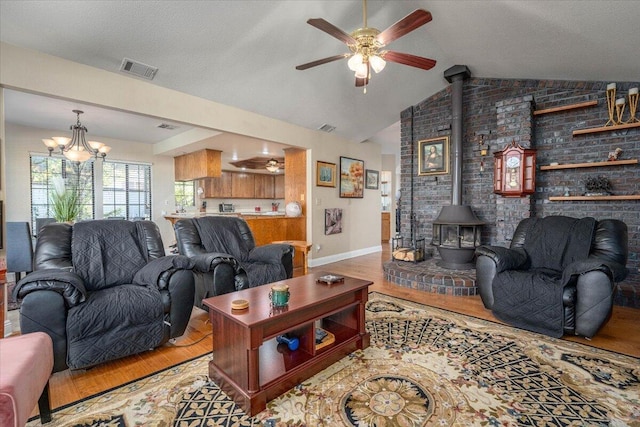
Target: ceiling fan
[[366, 45]]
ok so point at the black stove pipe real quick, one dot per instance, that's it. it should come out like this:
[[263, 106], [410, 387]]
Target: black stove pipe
[[456, 76]]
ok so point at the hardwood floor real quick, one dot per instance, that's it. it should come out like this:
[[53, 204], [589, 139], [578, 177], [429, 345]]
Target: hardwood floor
[[620, 334]]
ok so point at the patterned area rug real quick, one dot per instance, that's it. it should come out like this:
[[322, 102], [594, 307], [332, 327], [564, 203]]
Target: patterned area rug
[[425, 367]]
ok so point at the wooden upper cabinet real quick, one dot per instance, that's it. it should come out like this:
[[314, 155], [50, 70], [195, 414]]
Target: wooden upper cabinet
[[217, 188], [278, 182], [197, 165], [243, 185], [264, 186]]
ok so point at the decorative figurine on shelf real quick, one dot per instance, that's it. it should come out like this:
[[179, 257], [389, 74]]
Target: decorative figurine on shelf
[[613, 155], [633, 105], [620, 104], [611, 103], [597, 186]]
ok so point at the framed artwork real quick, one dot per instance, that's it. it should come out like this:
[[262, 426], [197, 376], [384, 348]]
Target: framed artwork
[[325, 174], [351, 178], [332, 221], [372, 179], [433, 156]]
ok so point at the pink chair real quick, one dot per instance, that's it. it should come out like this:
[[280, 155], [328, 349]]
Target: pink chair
[[26, 363]]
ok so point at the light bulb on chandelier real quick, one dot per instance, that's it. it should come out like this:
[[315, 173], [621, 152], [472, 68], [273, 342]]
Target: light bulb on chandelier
[[76, 148]]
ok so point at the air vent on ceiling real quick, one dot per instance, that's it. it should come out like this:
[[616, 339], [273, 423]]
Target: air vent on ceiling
[[327, 128], [167, 126], [139, 69]]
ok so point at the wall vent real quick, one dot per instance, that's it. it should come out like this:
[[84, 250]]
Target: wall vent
[[167, 126], [138, 69], [327, 128]]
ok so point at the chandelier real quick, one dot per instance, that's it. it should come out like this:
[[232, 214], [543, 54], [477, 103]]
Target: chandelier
[[273, 166], [77, 148]]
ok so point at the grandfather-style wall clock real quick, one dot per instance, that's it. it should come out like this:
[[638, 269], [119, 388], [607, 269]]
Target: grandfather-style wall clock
[[514, 171]]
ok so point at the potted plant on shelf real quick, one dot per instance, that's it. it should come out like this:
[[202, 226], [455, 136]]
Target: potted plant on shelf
[[65, 202]]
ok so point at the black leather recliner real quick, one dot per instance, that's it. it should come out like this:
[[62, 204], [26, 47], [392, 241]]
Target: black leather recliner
[[227, 258], [103, 290], [558, 275]]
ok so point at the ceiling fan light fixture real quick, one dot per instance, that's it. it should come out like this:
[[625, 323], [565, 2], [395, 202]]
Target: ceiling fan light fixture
[[354, 62], [363, 71], [272, 166], [377, 63], [366, 43]]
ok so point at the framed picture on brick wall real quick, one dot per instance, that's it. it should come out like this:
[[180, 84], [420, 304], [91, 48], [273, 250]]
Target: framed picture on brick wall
[[433, 156]]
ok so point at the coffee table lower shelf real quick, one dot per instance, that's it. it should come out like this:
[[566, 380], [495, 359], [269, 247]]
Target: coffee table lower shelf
[[256, 402]]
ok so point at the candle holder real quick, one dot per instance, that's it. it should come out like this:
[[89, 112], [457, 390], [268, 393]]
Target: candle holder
[[619, 111], [611, 103], [633, 106]]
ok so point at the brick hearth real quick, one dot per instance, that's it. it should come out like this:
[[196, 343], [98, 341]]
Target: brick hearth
[[427, 276]]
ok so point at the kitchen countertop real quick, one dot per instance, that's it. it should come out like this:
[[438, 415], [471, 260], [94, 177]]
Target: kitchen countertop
[[179, 215]]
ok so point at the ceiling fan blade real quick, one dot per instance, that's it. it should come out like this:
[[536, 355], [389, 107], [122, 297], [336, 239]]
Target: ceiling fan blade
[[415, 19], [321, 61], [407, 59], [332, 30]]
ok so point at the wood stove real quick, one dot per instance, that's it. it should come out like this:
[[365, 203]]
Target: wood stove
[[456, 231], [456, 234]]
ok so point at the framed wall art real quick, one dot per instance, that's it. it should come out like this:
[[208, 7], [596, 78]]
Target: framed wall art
[[372, 179], [332, 221], [433, 156], [325, 174], [351, 178]]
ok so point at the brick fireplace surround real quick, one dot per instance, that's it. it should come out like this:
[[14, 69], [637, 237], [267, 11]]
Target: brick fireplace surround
[[504, 109]]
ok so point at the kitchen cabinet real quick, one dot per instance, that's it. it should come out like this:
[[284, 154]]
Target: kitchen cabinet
[[197, 165], [243, 185], [264, 186], [386, 226], [278, 182], [217, 188]]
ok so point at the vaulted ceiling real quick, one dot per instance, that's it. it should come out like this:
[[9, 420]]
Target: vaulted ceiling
[[244, 53]]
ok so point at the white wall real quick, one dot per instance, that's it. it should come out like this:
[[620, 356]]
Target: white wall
[[24, 69]]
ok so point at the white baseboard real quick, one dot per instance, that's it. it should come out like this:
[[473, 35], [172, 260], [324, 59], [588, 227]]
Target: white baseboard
[[316, 262], [8, 328]]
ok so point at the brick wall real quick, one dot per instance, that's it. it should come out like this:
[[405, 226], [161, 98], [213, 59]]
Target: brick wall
[[551, 136]]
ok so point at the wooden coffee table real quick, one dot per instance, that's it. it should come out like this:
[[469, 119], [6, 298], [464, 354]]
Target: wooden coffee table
[[250, 365]]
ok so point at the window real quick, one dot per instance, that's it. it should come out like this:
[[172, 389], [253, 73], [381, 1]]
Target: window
[[185, 194], [126, 190], [76, 175]]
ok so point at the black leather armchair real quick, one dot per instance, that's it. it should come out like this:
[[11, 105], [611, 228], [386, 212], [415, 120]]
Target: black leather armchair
[[558, 275], [227, 258], [104, 290]]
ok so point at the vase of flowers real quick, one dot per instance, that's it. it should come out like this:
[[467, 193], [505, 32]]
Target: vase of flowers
[[65, 202]]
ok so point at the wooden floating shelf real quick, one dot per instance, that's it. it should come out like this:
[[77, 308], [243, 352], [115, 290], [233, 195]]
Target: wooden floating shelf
[[606, 128], [589, 165], [566, 107], [593, 198]]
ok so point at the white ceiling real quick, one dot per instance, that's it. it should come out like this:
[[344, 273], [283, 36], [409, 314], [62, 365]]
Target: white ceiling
[[244, 53]]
